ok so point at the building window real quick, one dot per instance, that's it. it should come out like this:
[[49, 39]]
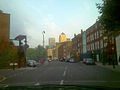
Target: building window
[[92, 37], [97, 34], [93, 46], [101, 44], [88, 39], [101, 33], [98, 44]]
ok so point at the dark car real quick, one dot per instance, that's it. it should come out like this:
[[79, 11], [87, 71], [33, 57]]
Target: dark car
[[67, 60]]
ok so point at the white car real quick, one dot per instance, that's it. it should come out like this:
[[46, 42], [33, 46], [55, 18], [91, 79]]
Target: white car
[[71, 60], [49, 60]]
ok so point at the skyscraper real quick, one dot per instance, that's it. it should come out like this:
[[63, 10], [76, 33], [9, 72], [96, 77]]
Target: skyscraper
[[51, 42], [62, 37]]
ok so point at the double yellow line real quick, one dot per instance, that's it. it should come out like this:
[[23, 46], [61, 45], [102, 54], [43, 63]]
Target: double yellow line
[[3, 78]]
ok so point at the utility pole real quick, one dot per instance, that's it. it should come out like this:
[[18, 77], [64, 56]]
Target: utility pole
[[43, 39]]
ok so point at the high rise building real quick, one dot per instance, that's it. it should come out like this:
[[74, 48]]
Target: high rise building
[[62, 37], [51, 42]]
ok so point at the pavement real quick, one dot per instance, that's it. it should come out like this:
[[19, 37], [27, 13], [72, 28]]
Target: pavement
[[61, 73], [110, 67], [8, 72]]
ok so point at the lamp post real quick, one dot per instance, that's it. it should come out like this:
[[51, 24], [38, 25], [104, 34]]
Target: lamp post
[[43, 39]]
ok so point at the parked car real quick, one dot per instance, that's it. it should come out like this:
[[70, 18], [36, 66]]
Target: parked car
[[67, 60], [50, 60], [72, 60], [62, 59], [90, 61], [31, 63]]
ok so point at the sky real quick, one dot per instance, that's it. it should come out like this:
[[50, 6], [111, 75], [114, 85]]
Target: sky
[[32, 17]]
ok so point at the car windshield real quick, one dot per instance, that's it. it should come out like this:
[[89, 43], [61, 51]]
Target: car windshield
[[60, 42]]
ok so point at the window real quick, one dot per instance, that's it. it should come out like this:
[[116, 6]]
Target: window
[[101, 33], [98, 45], [93, 46], [97, 34], [101, 44]]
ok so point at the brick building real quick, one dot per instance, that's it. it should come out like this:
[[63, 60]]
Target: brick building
[[95, 41], [4, 26], [77, 45]]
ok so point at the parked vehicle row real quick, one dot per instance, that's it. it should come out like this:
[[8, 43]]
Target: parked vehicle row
[[71, 60]]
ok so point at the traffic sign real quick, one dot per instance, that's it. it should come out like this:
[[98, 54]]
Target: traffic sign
[[11, 64]]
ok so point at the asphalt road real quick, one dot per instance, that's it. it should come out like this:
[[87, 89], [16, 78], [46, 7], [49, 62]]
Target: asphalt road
[[62, 73]]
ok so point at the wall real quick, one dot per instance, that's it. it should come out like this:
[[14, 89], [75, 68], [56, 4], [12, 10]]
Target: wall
[[118, 47]]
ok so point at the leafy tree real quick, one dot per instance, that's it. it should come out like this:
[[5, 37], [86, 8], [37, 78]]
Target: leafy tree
[[110, 19], [110, 15], [1, 11], [8, 53], [36, 53]]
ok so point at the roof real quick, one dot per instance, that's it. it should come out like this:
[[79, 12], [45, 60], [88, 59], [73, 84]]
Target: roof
[[92, 26]]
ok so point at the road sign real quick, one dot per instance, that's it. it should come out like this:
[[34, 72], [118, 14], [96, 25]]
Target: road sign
[[15, 63], [11, 64]]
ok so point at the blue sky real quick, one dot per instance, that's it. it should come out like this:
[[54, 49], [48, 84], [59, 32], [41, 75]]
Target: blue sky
[[31, 17]]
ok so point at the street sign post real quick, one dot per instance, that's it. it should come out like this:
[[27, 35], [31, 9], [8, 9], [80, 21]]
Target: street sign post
[[13, 65]]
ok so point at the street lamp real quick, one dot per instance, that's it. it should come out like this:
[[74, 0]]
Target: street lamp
[[43, 39]]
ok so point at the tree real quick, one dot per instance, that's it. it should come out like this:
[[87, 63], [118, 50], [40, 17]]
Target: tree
[[110, 19], [8, 53], [36, 53], [1, 11], [110, 16]]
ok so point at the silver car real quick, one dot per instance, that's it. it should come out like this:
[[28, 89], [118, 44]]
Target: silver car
[[31, 63], [90, 61]]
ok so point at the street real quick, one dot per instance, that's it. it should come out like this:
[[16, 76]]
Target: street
[[62, 73]]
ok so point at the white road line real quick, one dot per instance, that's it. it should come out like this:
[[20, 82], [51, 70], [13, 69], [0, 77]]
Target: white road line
[[37, 84], [6, 86], [64, 73], [66, 68], [61, 82]]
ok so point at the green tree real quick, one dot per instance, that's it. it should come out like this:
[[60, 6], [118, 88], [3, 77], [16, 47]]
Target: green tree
[[110, 16], [110, 19], [36, 53], [8, 53]]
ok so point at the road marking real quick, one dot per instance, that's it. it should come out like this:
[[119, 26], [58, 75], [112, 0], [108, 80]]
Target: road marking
[[37, 84], [66, 68], [3, 79], [64, 73], [61, 82], [6, 86]]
